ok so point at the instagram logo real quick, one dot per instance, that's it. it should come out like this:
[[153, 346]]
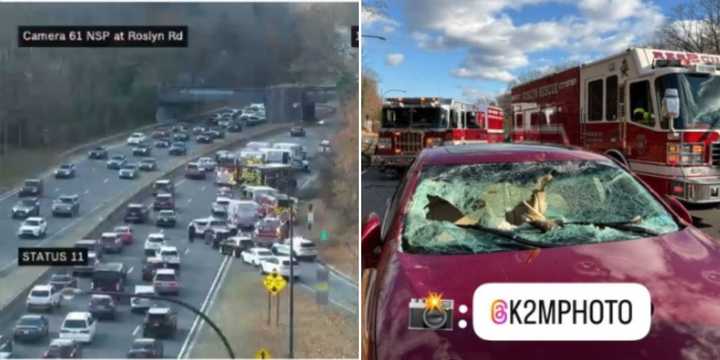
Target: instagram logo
[[498, 312]]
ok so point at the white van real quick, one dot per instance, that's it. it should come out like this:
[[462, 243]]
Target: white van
[[79, 326]]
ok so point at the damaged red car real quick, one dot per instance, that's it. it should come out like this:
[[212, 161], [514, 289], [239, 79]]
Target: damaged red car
[[464, 216]]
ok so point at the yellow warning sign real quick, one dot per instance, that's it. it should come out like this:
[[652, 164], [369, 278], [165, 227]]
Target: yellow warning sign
[[262, 354], [274, 283]]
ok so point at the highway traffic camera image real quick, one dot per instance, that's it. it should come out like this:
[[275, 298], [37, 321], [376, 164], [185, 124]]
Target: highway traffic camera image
[[167, 164]]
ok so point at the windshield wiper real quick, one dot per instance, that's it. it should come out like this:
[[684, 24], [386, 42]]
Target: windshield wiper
[[509, 235], [626, 225]]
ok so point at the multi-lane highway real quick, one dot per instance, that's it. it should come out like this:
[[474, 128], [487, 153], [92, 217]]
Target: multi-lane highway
[[201, 266]]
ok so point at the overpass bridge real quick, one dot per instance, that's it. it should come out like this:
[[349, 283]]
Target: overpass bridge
[[283, 103]]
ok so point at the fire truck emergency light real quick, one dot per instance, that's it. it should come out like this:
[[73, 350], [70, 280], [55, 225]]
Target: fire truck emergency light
[[668, 63]]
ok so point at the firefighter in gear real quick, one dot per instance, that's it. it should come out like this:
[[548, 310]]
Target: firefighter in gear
[[642, 116]]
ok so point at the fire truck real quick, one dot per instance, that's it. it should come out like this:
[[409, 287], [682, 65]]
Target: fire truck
[[409, 125], [656, 111]]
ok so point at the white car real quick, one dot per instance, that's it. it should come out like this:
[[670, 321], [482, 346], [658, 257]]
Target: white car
[[303, 248], [33, 227], [280, 265], [206, 163], [280, 249], [165, 281], [43, 297], [136, 138], [79, 326], [141, 304], [154, 241], [324, 146], [256, 255], [170, 256]]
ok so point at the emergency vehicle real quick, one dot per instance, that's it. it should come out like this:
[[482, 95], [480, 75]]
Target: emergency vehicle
[[409, 125], [656, 111]]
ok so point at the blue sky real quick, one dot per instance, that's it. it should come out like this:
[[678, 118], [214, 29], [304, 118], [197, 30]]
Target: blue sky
[[471, 49]]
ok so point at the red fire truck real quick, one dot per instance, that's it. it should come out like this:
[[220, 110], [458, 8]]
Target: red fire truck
[[657, 111], [409, 125]]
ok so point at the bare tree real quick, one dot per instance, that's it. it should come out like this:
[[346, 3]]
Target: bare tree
[[694, 27]]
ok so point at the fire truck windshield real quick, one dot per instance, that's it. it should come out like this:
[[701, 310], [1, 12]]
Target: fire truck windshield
[[415, 117], [699, 99]]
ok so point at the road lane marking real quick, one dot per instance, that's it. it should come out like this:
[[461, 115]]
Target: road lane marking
[[135, 332], [131, 269], [106, 180], [57, 189], [194, 330], [187, 250], [87, 192], [202, 188]]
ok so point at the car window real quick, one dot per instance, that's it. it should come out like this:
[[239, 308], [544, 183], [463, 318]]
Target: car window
[[498, 196], [74, 324], [40, 293], [165, 277]]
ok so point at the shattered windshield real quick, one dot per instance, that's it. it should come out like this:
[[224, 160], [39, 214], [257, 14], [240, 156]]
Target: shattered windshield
[[500, 206], [699, 99]]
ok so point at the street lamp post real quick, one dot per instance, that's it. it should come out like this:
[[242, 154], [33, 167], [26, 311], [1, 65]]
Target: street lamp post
[[69, 293]]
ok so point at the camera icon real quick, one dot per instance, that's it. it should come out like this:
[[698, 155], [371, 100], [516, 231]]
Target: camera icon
[[423, 318]]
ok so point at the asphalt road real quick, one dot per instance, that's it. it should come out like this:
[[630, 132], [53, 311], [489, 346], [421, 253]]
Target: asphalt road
[[200, 263]]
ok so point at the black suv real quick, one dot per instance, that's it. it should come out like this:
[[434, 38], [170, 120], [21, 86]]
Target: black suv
[[146, 348], [160, 322], [136, 213], [98, 153], [31, 187], [141, 150], [166, 218], [26, 208], [102, 306], [109, 276]]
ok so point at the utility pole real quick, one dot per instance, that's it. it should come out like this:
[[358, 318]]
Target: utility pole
[[292, 279]]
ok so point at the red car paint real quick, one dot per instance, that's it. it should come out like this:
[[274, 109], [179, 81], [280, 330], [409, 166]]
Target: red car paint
[[680, 269]]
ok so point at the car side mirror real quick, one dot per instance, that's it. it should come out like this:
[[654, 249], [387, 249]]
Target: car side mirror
[[370, 245], [670, 104], [679, 208]]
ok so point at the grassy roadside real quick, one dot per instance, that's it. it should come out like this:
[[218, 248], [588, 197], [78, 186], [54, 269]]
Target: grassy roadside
[[19, 164], [240, 310]]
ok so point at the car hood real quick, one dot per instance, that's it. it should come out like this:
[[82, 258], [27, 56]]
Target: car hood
[[22, 208], [681, 270]]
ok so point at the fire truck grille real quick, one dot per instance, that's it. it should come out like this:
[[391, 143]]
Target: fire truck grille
[[715, 152], [410, 142]]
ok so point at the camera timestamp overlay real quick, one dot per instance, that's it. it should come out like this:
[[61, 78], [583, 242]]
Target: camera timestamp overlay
[[52, 256], [561, 311], [102, 36]]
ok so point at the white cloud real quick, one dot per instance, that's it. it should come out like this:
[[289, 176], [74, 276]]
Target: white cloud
[[394, 59], [477, 96], [497, 46], [371, 19]]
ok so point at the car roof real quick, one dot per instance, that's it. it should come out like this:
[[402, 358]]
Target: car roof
[[168, 248], [144, 289], [162, 181], [167, 211], [156, 235], [35, 218], [159, 310], [114, 234], [259, 248], [165, 271], [113, 266], [61, 342], [77, 315], [135, 205], [493, 153], [100, 297], [32, 316], [41, 287], [145, 340]]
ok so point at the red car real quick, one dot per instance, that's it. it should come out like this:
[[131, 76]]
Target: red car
[[125, 233], [461, 218], [269, 231]]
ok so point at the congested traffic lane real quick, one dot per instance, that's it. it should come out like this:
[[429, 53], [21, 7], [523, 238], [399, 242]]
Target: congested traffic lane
[[200, 266], [94, 183]]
